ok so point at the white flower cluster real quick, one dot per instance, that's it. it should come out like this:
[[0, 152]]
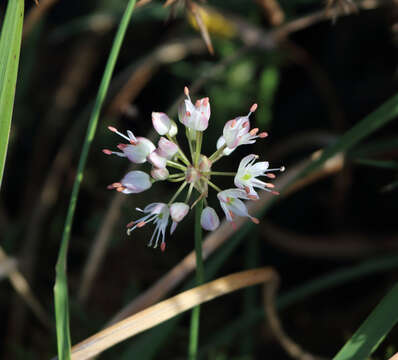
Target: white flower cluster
[[194, 174]]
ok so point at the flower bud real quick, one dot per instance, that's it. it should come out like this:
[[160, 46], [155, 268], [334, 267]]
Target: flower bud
[[166, 148], [195, 117], [138, 152], [156, 160], [160, 173], [135, 182], [209, 219], [161, 123], [173, 131], [177, 212]]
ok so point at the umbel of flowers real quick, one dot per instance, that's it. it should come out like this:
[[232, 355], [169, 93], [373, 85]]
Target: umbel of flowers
[[194, 173]]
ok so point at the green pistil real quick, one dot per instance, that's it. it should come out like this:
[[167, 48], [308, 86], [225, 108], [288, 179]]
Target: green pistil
[[246, 177]]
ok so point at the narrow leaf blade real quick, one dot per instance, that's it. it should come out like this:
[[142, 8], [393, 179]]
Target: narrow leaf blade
[[10, 47]]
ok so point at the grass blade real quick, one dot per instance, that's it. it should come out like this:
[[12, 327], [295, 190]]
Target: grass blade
[[10, 48], [168, 309], [375, 120], [372, 332], [61, 288]]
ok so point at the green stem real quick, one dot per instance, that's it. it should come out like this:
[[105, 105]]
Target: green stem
[[189, 192], [176, 165], [200, 277], [190, 144], [215, 156], [180, 153], [172, 176], [220, 173], [178, 192], [61, 288], [199, 137], [214, 186]]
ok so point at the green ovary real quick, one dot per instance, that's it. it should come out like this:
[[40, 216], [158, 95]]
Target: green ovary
[[246, 177]]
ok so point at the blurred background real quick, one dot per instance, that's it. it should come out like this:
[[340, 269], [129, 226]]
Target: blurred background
[[314, 68]]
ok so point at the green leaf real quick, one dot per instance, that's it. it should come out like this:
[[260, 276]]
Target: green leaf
[[375, 120], [61, 287], [372, 332], [10, 47]]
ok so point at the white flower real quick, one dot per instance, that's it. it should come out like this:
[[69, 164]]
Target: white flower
[[134, 182], [160, 173], [232, 205], [195, 117], [138, 149], [161, 123], [209, 219], [246, 177], [237, 132], [159, 214], [178, 211], [221, 143]]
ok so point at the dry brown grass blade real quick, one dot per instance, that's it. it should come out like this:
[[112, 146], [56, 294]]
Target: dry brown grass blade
[[142, 3], [168, 309], [35, 14], [292, 348], [196, 11], [169, 2], [215, 239], [272, 11]]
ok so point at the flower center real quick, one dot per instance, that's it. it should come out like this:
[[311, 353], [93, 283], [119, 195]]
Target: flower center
[[246, 177], [192, 175]]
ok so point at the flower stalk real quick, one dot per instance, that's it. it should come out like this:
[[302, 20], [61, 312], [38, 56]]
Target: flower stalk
[[200, 277]]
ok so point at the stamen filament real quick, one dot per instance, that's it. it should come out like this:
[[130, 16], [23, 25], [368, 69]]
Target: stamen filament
[[178, 192], [176, 165]]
